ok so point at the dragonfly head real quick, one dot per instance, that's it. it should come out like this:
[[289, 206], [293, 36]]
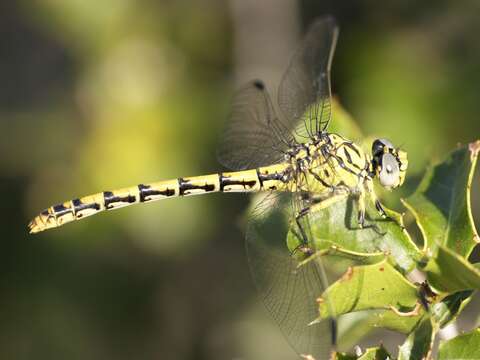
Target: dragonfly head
[[389, 163]]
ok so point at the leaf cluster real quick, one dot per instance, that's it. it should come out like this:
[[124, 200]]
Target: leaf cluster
[[377, 289]]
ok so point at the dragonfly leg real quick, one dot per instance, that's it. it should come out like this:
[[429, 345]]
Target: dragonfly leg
[[315, 203], [373, 196], [304, 241], [378, 204], [361, 210], [318, 204], [380, 208]]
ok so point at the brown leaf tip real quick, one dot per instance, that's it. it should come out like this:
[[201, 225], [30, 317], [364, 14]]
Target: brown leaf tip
[[307, 357], [348, 274], [474, 148]]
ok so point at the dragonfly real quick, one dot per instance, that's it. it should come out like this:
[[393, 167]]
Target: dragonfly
[[285, 151]]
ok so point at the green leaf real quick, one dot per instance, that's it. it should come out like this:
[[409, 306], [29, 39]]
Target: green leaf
[[389, 320], [372, 296], [441, 204], [466, 346], [450, 307], [376, 353], [448, 272], [337, 226], [377, 286], [354, 326], [342, 356], [418, 344], [343, 123]]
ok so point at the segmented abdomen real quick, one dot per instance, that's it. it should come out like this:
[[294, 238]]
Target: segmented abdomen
[[265, 178]]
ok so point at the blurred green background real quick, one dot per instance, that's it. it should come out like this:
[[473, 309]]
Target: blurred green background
[[97, 95]]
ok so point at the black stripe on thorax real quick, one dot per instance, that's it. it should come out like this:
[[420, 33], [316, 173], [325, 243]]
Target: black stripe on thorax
[[185, 185], [110, 198], [227, 181], [348, 156], [306, 148], [319, 179], [353, 147], [325, 151], [343, 166], [146, 191]]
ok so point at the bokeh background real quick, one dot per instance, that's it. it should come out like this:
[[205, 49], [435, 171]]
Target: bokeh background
[[96, 95]]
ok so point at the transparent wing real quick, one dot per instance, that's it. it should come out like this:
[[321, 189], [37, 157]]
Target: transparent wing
[[289, 292], [254, 136], [304, 94]]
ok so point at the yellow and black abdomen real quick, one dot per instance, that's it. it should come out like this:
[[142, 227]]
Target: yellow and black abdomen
[[264, 178]]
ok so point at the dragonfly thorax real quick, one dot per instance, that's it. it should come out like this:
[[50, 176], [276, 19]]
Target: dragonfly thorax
[[327, 162]]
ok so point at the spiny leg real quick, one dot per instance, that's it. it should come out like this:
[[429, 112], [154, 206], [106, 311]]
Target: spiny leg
[[317, 203], [373, 196], [304, 241], [361, 197], [361, 210], [378, 205]]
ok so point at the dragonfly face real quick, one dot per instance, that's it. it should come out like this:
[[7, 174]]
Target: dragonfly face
[[389, 163]]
